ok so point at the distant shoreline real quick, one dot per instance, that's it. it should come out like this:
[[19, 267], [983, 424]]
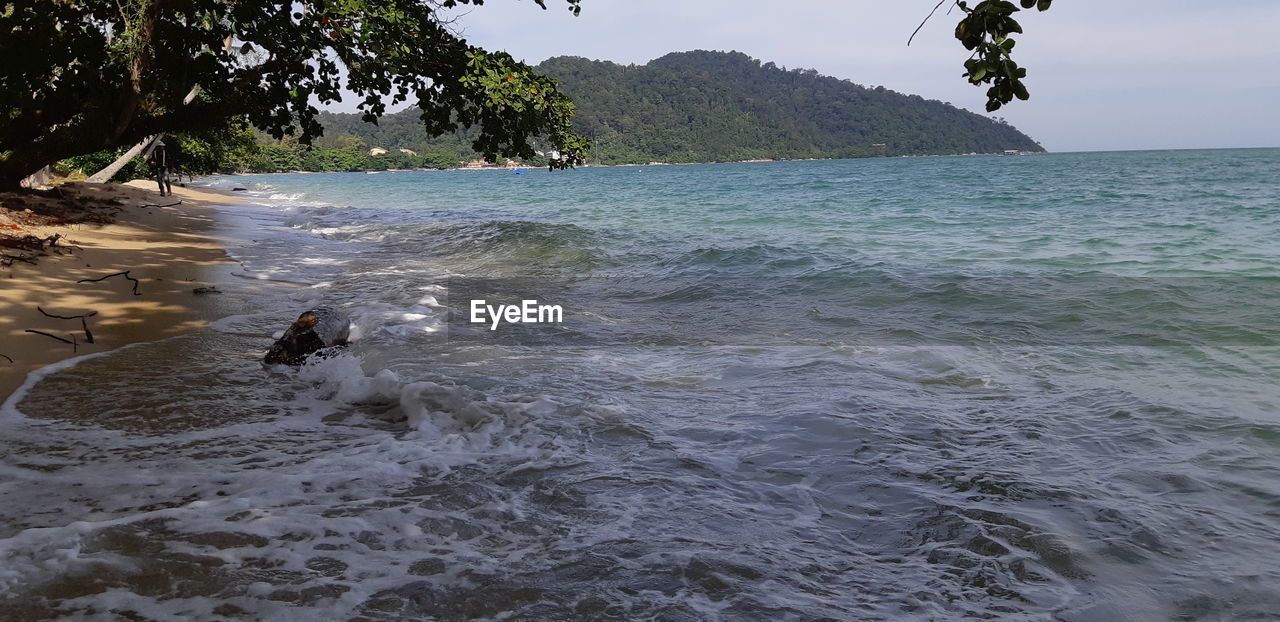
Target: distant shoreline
[[760, 161], [631, 165]]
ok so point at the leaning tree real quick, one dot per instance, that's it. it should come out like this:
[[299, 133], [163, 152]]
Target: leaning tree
[[84, 76]]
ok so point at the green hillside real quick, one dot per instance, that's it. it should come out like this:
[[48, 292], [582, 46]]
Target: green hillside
[[721, 106]]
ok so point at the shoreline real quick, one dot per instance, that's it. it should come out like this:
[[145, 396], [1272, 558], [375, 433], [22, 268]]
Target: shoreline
[[170, 250], [638, 164]]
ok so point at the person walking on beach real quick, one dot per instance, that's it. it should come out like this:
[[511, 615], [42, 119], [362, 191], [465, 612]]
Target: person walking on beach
[[161, 169]]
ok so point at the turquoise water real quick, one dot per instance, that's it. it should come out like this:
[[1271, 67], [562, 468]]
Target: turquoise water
[[1024, 388]]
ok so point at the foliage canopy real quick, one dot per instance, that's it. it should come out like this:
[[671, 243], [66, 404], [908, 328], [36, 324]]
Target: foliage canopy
[[80, 77], [985, 30]]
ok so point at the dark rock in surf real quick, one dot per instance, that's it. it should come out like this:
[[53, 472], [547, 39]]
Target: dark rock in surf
[[315, 330]]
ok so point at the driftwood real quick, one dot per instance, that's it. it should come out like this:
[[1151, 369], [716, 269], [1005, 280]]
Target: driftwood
[[88, 336], [7, 260], [124, 274], [75, 345], [40, 332], [66, 317], [6, 357], [29, 247], [166, 205]]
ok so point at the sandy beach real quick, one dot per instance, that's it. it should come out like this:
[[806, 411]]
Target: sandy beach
[[166, 247]]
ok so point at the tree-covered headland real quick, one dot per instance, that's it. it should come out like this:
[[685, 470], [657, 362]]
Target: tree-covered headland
[[696, 107]]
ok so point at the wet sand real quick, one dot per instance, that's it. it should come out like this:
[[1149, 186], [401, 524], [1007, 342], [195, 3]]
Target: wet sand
[[169, 250]]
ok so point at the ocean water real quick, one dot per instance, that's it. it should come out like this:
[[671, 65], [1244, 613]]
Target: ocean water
[[1015, 388]]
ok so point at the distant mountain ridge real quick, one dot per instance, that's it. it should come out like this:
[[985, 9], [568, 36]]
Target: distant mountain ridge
[[704, 106]]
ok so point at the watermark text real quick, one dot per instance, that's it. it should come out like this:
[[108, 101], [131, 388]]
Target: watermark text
[[527, 312]]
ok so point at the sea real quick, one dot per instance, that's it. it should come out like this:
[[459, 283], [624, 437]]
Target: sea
[[1033, 387]]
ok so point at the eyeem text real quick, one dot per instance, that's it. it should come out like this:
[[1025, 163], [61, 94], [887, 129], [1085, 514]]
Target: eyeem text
[[527, 312]]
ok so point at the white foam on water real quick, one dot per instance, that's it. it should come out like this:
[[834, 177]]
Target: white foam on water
[[9, 407], [395, 321], [284, 487], [312, 471]]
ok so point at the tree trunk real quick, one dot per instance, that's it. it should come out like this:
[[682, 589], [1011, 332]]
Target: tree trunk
[[11, 177], [105, 175], [40, 178]]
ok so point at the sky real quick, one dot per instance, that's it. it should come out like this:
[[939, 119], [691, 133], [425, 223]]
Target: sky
[[1103, 74]]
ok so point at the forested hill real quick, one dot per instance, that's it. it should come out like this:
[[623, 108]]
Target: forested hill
[[705, 106], [723, 106]]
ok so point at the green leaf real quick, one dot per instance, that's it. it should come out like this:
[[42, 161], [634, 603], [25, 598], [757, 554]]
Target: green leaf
[[1020, 90]]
